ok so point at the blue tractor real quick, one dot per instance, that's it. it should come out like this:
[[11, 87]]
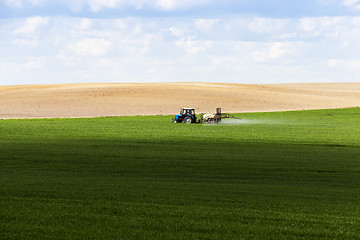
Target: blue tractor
[[187, 115]]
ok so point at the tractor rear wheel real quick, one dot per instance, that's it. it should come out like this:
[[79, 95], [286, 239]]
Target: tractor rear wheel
[[187, 120]]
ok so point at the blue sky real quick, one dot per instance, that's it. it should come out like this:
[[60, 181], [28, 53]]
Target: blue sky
[[243, 41]]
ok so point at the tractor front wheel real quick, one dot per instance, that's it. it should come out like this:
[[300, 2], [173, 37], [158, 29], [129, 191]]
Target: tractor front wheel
[[174, 121], [187, 120]]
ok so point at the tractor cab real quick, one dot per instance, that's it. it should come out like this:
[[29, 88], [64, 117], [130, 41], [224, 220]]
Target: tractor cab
[[187, 115], [187, 111]]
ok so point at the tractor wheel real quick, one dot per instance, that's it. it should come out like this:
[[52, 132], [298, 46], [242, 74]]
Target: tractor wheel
[[211, 121], [187, 120], [174, 121]]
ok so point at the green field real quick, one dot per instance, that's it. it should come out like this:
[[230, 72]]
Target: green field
[[286, 175]]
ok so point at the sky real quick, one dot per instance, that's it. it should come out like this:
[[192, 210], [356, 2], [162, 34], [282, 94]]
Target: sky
[[229, 41]]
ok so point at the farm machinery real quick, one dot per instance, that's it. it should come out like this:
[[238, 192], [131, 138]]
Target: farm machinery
[[187, 115]]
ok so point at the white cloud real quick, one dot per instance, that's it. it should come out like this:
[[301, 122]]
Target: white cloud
[[21, 3], [25, 42], [239, 49], [87, 47], [275, 50], [14, 3], [176, 32], [193, 47], [352, 4], [326, 27], [97, 5], [85, 24], [164, 5], [355, 64], [167, 4], [266, 25], [206, 25], [345, 66], [31, 64], [32, 25], [178, 4]]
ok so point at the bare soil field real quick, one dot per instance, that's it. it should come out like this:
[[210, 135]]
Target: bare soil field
[[113, 99]]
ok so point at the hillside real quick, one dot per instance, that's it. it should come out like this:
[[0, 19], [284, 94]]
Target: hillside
[[95, 100]]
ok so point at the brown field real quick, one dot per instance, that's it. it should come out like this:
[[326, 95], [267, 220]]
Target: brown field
[[97, 100]]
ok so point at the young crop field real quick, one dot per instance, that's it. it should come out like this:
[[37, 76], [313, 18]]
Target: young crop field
[[285, 175]]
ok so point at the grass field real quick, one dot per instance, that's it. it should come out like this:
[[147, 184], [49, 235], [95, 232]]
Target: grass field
[[286, 175]]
